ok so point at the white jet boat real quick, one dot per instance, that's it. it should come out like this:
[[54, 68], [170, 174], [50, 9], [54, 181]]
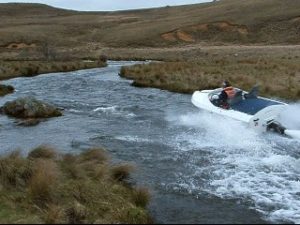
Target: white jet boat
[[258, 112]]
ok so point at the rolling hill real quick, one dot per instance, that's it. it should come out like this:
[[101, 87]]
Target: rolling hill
[[221, 22], [246, 41]]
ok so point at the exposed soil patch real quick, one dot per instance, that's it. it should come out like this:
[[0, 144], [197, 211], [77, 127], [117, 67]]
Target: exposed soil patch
[[169, 37], [20, 45], [183, 36], [204, 31]]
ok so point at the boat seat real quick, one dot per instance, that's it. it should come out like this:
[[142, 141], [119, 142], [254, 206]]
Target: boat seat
[[238, 97], [253, 93]]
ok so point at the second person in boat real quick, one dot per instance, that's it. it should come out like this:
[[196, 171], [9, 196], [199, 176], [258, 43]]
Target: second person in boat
[[227, 93]]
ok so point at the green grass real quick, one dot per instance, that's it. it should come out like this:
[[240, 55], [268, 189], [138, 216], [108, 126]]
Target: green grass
[[47, 187]]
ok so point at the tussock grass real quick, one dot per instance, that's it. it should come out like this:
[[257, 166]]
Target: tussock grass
[[50, 188], [141, 197], [277, 77], [11, 69], [95, 154], [54, 214], [44, 152], [77, 213], [15, 171], [121, 172], [43, 182]]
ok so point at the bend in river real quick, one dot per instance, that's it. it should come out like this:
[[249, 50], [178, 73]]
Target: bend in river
[[200, 168]]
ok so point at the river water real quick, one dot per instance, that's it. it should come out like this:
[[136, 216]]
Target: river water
[[200, 168]]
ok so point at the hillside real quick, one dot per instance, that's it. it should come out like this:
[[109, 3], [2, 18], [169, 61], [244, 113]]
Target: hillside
[[234, 39], [225, 21]]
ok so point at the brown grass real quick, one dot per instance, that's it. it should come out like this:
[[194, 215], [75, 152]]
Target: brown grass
[[30, 27], [54, 214], [121, 172], [141, 197], [14, 170], [43, 181], [44, 152], [11, 69], [37, 39], [95, 154], [277, 75], [77, 213], [67, 189]]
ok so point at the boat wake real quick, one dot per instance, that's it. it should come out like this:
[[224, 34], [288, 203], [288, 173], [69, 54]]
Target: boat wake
[[243, 164], [290, 117]]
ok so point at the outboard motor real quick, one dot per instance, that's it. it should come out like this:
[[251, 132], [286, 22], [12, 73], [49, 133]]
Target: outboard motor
[[276, 127], [265, 120]]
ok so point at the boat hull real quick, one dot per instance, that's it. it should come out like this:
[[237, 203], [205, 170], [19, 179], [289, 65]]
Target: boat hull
[[259, 121]]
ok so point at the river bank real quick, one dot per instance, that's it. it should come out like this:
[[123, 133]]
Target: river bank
[[50, 187], [184, 70], [28, 68]]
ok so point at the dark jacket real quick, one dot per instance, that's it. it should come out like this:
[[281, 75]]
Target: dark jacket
[[223, 97]]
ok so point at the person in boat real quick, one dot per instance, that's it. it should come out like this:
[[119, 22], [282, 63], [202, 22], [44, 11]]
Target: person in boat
[[226, 94]]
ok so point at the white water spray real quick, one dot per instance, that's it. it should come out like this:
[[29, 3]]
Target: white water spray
[[290, 118], [245, 164]]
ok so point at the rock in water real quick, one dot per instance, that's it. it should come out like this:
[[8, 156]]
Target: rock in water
[[30, 107], [6, 89]]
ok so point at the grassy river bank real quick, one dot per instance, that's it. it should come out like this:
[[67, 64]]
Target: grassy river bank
[[48, 187]]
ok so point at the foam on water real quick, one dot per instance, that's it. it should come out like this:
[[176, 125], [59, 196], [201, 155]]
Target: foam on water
[[243, 164], [114, 110], [133, 139], [109, 109]]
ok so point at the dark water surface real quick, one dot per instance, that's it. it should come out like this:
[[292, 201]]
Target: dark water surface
[[199, 168]]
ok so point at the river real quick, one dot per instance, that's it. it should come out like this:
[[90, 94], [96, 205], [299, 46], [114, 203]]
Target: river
[[200, 168]]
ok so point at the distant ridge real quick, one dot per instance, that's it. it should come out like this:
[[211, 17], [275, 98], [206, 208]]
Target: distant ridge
[[221, 22]]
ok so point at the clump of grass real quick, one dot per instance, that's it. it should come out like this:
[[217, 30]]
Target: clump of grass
[[77, 213], [135, 214], [44, 152], [43, 181], [54, 214], [83, 188], [94, 154], [14, 170], [71, 168], [141, 197], [121, 172]]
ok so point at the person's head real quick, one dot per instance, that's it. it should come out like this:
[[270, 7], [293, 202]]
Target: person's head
[[226, 84]]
